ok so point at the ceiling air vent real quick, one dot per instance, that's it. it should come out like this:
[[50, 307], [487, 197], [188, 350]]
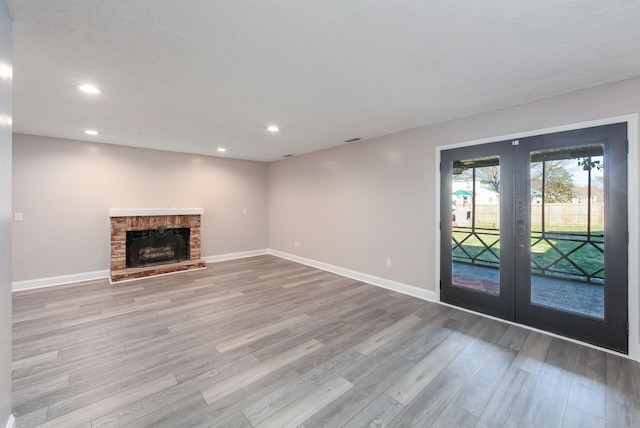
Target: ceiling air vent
[[353, 140]]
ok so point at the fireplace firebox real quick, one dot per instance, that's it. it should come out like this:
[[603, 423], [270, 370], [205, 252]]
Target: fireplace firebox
[[157, 246]]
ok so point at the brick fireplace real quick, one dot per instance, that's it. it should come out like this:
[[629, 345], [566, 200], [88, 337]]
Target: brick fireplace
[[154, 220]]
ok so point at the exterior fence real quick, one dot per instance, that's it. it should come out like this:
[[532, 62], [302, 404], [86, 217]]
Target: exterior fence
[[556, 214], [568, 214]]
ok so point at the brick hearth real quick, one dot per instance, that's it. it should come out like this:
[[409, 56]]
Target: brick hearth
[[121, 224]]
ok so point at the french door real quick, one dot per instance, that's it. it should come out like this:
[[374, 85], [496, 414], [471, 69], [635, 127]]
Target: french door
[[535, 231]]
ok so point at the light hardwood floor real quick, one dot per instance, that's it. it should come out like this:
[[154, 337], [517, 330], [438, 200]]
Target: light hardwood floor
[[264, 342]]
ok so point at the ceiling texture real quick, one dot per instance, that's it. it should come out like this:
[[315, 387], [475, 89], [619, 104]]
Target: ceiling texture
[[194, 75]]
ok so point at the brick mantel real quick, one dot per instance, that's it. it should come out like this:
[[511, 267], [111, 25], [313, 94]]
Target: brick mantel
[[124, 220]]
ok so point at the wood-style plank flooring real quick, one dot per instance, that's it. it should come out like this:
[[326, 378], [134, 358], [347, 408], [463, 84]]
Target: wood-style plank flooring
[[264, 342]]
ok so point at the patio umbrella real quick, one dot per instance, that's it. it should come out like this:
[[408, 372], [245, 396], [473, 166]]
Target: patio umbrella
[[461, 193]]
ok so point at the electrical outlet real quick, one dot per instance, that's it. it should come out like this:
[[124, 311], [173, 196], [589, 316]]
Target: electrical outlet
[[18, 217], [388, 262], [244, 211], [296, 243]]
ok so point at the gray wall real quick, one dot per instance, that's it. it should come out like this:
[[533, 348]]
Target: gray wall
[[357, 205], [65, 188], [6, 45]]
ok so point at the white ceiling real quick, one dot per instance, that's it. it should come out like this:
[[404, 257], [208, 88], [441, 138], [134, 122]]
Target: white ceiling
[[194, 75]]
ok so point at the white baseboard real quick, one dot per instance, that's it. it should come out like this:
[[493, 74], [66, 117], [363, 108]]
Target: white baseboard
[[11, 423], [409, 290], [233, 256], [104, 274], [59, 280]]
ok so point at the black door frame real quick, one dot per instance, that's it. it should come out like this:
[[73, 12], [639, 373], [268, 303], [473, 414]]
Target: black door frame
[[542, 139], [500, 306]]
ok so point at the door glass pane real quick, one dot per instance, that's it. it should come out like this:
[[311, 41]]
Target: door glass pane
[[475, 203], [567, 230]]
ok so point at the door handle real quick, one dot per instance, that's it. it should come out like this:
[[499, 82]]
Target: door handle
[[521, 246]]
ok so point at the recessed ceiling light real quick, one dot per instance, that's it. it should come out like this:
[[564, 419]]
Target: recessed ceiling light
[[222, 149], [90, 132], [89, 89], [273, 128]]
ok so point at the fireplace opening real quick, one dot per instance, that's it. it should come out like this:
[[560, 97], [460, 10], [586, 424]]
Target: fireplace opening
[[157, 246]]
